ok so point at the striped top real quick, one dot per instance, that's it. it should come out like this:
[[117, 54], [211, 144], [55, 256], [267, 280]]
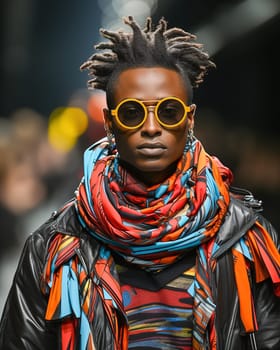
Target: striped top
[[158, 306]]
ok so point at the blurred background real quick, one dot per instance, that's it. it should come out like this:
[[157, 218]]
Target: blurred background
[[48, 117]]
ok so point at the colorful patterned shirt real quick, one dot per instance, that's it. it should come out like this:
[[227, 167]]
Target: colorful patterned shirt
[[158, 306]]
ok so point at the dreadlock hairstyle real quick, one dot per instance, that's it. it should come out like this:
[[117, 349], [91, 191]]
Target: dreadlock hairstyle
[[170, 48]]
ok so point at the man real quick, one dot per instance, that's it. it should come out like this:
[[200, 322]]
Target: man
[[157, 250]]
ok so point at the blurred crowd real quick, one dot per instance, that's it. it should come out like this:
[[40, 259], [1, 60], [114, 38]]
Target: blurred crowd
[[31, 171]]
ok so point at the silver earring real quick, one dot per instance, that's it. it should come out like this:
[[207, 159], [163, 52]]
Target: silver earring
[[190, 139], [190, 136], [111, 139]]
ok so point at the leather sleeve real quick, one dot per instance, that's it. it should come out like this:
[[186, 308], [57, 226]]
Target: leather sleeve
[[22, 324], [268, 317], [268, 306], [270, 228]]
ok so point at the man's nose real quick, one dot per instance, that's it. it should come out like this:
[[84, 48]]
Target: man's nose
[[151, 124]]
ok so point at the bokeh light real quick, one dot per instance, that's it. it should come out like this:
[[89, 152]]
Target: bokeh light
[[66, 125]]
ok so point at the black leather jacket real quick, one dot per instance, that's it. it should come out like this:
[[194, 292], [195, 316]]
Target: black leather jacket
[[23, 325]]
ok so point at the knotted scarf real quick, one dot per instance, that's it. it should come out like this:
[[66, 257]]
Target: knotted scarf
[[152, 227]]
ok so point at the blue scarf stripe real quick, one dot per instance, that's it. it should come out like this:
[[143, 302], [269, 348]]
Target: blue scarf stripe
[[90, 159]]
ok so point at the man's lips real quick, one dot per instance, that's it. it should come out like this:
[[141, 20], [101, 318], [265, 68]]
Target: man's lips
[[151, 149]]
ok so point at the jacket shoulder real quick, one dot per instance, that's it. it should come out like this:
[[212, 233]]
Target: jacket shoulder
[[64, 220], [245, 198], [243, 212]]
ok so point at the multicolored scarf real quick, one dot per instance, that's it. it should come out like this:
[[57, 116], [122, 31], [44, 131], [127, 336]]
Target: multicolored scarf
[[152, 227]]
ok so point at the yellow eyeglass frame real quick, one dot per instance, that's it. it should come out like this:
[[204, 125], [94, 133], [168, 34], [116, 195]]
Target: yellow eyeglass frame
[[114, 112]]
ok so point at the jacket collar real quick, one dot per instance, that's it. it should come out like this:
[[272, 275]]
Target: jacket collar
[[238, 220]]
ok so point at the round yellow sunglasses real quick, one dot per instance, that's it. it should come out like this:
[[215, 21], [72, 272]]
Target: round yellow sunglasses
[[131, 113]]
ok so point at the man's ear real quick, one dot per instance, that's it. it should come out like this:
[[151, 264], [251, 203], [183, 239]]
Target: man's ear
[[191, 115], [107, 119]]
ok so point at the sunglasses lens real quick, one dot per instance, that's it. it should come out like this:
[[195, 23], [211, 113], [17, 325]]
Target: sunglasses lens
[[171, 111], [131, 113]]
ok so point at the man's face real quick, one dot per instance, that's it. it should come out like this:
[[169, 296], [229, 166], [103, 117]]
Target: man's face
[[151, 151]]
